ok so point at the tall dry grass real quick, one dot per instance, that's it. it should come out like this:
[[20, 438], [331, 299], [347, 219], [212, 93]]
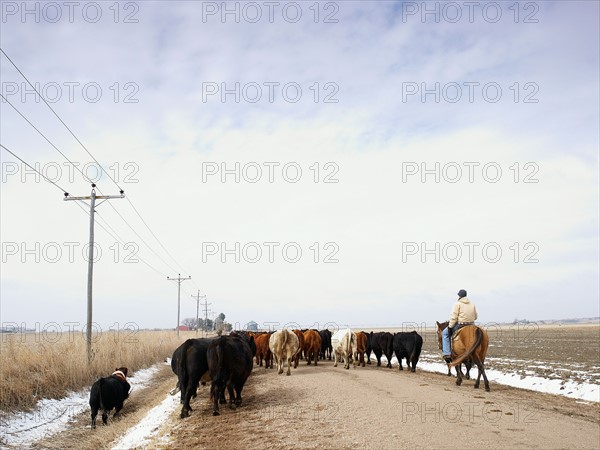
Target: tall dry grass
[[49, 365]]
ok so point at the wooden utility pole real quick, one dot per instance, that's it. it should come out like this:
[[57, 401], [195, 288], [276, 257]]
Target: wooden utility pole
[[198, 297], [179, 281], [92, 198], [205, 304]]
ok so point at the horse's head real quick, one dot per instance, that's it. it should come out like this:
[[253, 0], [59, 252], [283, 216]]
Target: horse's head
[[439, 327]]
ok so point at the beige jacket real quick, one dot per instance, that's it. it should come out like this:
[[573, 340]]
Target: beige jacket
[[463, 311]]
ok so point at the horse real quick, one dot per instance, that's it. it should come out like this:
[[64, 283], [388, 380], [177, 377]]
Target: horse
[[469, 347]]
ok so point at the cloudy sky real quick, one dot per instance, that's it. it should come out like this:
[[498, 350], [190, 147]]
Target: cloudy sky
[[352, 162]]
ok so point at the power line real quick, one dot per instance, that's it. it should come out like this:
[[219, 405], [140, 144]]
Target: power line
[[137, 234], [58, 117], [45, 178], [95, 160], [47, 140]]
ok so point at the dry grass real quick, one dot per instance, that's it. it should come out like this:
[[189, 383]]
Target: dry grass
[[35, 366]]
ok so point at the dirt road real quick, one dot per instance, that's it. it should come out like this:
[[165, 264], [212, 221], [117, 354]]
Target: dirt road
[[371, 407], [380, 408]]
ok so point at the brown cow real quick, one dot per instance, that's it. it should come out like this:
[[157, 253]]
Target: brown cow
[[300, 346], [263, 351], [361, 348], [312, 345]]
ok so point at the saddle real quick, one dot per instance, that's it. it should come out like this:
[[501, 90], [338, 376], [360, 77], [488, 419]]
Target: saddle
[[456, 333]]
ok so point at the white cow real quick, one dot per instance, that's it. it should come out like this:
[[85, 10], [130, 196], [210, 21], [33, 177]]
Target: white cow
[[284, 345], [344, 346]]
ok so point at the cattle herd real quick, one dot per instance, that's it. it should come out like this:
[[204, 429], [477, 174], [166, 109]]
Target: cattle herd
[[227, 361]]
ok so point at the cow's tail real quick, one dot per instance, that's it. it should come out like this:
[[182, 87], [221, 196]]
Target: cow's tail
[[181, 368], [469, 352], [348, 348], [418, 343], [100, 385], [220, 365]]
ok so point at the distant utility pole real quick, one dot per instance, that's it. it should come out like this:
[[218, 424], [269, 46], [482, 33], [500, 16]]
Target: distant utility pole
[[205, 304], [92, 198], [179, 281], [198, 297]]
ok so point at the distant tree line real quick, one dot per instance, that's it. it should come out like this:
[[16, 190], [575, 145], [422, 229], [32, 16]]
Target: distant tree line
[[219, 325]]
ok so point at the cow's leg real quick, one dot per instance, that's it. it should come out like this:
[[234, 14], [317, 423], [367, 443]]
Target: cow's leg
[[118, 409], [238, 391], [378, 356], [105, 417], [289, 365], [232, 399], [94, 414], [335, 359], [215, 394], [400, 363]]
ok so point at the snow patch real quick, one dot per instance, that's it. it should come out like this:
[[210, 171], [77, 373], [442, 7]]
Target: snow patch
[[51, 416], [582, 391], [140, 434]]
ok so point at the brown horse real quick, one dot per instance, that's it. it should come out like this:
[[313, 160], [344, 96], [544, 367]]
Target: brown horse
[[470, 346]]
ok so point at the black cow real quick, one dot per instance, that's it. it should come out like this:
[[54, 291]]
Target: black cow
[[248, 337], [369, 347], [230, 364], [408, 345], [326, 347], [108, 393], [192, 367], [382, 343]]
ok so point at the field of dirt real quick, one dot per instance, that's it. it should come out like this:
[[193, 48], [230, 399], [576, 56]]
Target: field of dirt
[[376, 407], [380, 408]]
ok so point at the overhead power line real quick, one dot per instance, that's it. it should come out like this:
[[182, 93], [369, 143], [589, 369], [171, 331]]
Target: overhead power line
[[44, 136], [58, 117], [95, 160], [32, 168]]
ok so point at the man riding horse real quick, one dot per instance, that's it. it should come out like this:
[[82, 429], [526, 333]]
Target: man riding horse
[[463, 313]]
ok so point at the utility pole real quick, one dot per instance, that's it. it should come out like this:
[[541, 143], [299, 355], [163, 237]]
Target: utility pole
[[92, 198], [205, 304], [179, 281], [198, 297]]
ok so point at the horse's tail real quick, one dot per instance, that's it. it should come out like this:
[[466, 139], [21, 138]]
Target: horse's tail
[[469, 352]]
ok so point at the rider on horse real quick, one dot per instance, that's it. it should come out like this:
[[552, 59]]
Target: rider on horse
[[463, 313]]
